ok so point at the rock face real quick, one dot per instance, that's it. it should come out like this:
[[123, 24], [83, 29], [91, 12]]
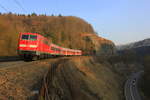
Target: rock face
[[101, 46], [82, 78]]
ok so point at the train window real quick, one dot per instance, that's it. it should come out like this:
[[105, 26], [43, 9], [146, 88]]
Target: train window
[[33, 37], [52, 48], [55, 49], [25, 37]]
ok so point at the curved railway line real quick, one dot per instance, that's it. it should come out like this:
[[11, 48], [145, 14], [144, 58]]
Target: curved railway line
[[12, 64], [48, 80], [4, 64]]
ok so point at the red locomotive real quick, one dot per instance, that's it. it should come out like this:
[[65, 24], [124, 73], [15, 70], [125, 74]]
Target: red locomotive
[[34, 46]]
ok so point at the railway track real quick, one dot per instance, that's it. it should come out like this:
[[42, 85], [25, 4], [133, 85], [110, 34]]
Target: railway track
[[7, 65], [9, 59], [10, 64], [16, 63], [48, 81]]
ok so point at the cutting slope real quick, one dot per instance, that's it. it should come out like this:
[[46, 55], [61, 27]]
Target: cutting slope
[[83, 78]]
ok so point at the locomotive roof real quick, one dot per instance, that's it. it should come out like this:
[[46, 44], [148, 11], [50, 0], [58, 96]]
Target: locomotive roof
[[30, 33]]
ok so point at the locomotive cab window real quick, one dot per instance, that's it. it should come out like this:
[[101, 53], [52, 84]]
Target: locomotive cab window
[[25, 37], [33, 37]]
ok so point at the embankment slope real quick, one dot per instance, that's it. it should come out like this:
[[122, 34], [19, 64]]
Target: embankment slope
[[80, 78]]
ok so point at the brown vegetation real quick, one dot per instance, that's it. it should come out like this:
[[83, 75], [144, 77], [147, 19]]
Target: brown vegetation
[[66, 31], [82, 77], [21, 80], [146, 80], [134, 60]]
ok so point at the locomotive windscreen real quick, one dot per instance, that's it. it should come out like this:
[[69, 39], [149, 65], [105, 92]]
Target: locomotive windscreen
[[33, 37], [25, 37], [29, 37]]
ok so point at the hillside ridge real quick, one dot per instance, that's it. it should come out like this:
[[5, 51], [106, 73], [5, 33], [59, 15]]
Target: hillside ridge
[[65, 31], [142, 43]]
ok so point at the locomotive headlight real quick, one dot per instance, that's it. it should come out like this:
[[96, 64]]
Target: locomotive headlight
[[22, 45], [33, 46]]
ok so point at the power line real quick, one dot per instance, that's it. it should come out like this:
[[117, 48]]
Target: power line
[[4, 8], [19, 4]]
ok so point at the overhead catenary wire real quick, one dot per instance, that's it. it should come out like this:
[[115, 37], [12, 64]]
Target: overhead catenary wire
[[19, 4], [4, 8]]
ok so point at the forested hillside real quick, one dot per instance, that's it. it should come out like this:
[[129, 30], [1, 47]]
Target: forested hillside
[[134, 45], [146, 80], [66, 31], [138, 52]]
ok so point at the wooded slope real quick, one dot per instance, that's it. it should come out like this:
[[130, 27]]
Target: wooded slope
[[66, 31]]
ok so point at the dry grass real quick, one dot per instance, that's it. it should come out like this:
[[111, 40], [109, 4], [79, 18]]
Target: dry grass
[[81, 78], [66, 31], [17, 82]]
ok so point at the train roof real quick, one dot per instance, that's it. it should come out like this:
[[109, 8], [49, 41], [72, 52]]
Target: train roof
[[30, 33]]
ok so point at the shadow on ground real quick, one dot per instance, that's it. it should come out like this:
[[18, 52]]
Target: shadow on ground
[[9, 58]]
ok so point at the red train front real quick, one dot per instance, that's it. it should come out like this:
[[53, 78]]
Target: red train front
[[28, 45], [33, 46]]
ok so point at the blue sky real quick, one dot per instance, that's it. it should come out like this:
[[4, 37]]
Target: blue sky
[[121, 21]]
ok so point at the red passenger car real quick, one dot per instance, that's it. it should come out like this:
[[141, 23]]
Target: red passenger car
[[33, 46]]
